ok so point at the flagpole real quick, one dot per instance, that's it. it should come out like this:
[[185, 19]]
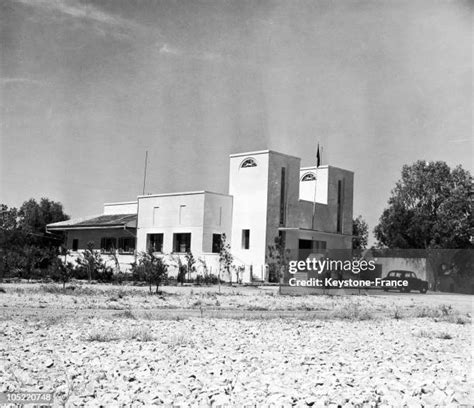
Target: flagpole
[[315, 184]]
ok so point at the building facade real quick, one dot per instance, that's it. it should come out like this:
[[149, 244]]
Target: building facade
[[270, 196]]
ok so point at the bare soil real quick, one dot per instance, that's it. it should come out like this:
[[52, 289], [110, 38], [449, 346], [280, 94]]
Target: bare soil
[[104, 345]]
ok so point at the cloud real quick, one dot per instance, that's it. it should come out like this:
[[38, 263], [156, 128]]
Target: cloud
[[460, 140], [167, 49], [105, 22], [27, 81], [211, 57]]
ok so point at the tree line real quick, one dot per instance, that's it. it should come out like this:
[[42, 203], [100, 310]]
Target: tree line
[[429, 208], [25, 247]]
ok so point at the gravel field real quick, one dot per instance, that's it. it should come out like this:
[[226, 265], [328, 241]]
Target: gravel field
[[114, 346]]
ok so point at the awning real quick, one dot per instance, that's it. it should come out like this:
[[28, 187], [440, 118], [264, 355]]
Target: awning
[[96, 222], [315, 231]]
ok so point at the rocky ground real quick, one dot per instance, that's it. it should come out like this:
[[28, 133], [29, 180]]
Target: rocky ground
[[108, 346]]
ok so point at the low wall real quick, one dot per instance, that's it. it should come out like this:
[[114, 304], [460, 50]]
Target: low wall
[[417, 265]]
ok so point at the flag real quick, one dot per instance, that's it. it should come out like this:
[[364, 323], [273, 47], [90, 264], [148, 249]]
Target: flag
[[318, 158]]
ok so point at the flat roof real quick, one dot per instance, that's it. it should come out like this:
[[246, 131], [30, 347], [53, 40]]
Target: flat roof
[[323, 166], [122, 203], [183, 193], [257, 152]]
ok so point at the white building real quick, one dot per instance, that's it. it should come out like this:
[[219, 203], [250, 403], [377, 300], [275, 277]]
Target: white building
[[269, 196]]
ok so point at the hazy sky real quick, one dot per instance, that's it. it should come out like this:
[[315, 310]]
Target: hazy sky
[[86, 87]]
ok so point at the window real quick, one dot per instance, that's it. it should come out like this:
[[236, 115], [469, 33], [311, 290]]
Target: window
[[108, 244], [155, 242], [312, 246], [75, 244], [182, 242], [216, 243], [282, 195], [305, 244], [245, 239], [249, 163], [126, 244], [319, 245], [340, 199], [305, 249], [396, 274], [308, 177]]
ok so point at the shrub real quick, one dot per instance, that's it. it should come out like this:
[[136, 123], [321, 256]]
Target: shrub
[[430, 311], [61, 272], [54, 289], [206, 279], [257, 308], [445, 336], [141, 334], [101, 336], [446, 310], [181, 273], [352, 311], [460, 319], [138, 334], [211, 279], [179, 341], [397, 314], [431, 334], [443, 313], [199, 280], [126, 314], [91, 266], [151, 269], [183, 268]]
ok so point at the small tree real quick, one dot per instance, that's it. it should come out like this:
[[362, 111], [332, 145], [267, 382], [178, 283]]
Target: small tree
[[225, 258], [152, 268], [114, 257], [62, 272], [208, 278], [91, 261], [181, 269], [190, 264], [360, 232], [239, 271], [32, 255], [204, 268], [88, 260], [278, 258]]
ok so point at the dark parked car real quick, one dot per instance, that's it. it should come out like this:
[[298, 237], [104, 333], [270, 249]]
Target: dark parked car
[[394, 281]]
